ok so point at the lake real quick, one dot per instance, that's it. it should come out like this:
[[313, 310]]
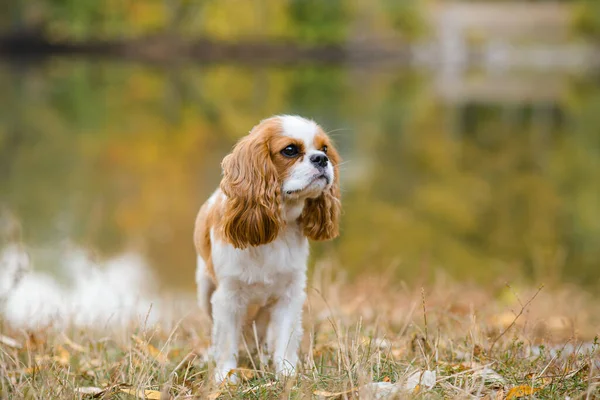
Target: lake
[[486, 177]]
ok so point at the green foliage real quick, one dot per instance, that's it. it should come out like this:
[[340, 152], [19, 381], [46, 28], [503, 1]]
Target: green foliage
[[587, 18], [319, 22], [308, 22], [405, 16], [128, 152]]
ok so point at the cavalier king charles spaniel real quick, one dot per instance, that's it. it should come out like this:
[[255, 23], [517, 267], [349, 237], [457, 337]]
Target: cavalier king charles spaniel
[[280, 187]]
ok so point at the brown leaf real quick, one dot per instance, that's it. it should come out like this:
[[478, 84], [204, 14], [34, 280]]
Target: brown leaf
[[245, 373], [214, 395], [521, 391], [62, 355], [149, 349], [142, 394]]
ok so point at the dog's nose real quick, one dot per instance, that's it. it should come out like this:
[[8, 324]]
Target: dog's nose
[[320, 160]]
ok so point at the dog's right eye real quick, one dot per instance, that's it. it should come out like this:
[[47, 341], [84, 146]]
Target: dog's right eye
[[290, 151]]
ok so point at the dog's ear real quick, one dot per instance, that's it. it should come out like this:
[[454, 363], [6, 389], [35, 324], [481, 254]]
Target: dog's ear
[[321, 216], [252, 214]]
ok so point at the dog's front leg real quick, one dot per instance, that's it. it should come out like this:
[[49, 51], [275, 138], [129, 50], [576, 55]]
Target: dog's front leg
[[228, 310], [285, 330]]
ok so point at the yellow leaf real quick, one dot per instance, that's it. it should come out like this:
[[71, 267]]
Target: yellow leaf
[[521, 391], [142, 394], [151, 350], [214, 395], [245, 373], [62, 356]]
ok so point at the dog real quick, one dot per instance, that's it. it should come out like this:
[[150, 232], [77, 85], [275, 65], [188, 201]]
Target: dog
[[280, 187]]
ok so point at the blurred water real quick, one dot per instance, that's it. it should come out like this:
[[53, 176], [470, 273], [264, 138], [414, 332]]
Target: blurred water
[[487, 177], [111, 293]]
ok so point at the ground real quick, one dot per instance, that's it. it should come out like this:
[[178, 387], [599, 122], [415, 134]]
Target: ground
[[365, 339]]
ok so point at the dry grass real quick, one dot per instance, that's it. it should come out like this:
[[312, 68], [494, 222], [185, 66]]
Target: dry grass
[[463, 342]]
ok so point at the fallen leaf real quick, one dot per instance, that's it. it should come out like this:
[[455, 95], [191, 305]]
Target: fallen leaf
[[62, 355], [264, 385], [245, 373], [379, 390], [494, 395], [214, 395], [421, 380], [460, 367], [386, 379], [489, 376], [142, 394], [88, 390], [325, 393], [150, 349], [521, 391], [10, 342]]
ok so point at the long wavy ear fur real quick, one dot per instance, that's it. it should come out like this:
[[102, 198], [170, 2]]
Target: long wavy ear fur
[[252, 215], [321, 216]]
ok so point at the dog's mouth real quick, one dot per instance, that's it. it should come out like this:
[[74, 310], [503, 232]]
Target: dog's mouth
[[314, 179]]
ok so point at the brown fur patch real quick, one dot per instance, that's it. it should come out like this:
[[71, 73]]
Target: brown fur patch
[[320, 217], [206, 218], [251, 182], [284, 164]]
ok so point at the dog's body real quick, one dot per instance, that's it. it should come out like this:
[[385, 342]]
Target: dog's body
[[280, 187]]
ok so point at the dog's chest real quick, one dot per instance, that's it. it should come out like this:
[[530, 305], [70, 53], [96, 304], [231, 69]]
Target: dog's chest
[[267, 268]]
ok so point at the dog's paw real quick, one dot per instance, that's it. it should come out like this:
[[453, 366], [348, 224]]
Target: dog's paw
[[264, 358], [285, 369], [226, 374]]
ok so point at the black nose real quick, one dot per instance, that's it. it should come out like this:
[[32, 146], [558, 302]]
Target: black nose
[[320, 160]]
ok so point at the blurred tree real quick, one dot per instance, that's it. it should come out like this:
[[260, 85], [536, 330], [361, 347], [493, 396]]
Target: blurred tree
[[405, 16], [318, 22], [587, 18], [117, 156], [307, 22]]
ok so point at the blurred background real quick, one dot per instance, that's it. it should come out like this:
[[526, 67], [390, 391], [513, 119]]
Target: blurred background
[[470, 131]]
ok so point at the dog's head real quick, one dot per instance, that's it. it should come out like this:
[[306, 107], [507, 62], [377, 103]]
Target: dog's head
[[283, 160]]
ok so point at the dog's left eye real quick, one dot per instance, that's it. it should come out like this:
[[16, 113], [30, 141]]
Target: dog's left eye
[[290, 151], [324, 149]]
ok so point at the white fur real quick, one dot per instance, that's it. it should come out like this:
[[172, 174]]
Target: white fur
[[255, 276], [298, 128], [205, 286], [272, 272]]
